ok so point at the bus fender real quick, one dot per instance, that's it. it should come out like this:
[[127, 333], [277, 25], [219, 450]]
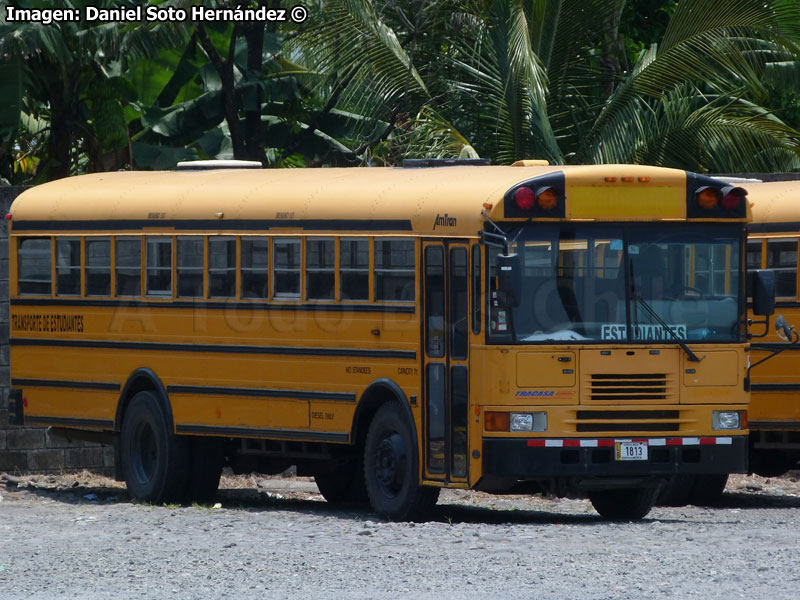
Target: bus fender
[[142, 379], [371, 399]]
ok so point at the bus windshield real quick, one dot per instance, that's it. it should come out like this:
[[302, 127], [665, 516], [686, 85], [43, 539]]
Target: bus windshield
[[616, 284]]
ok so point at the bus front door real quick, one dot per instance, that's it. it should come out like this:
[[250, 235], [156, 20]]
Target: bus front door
[[446, 349]]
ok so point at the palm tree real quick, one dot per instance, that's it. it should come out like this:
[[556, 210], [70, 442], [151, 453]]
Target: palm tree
[[68, 74], [544, 79]]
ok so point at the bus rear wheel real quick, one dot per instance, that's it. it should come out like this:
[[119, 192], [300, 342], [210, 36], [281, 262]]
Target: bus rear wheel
[[391, 468], [154, 459], [623, 505], [207, 455]]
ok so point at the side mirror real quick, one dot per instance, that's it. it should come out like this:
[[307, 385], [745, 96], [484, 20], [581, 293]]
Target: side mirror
[[785, 331], [509, 278], [763, 292]]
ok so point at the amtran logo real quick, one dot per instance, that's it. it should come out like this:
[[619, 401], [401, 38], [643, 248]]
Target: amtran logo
[[444, 220]]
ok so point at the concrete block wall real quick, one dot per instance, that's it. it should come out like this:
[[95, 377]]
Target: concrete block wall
[[31, 449]]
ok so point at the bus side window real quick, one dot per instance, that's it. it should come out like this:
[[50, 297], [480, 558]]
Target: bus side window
[[128, 252], [190, 267], [68, 267], [394, 269], [33, 267], [159, 266], [98, 267], [221, 267], [286, 267], [354, 269], [782, 258], [320, 269], [753, 261], [255, 267]]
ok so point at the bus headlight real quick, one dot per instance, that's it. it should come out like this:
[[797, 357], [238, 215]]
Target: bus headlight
[[536, 421], [726, 419]]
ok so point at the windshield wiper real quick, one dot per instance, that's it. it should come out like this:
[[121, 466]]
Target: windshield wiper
[[692, 356], [649, 309]]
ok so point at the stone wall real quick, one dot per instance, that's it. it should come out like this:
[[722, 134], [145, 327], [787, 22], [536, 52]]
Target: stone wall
[[29, 449]]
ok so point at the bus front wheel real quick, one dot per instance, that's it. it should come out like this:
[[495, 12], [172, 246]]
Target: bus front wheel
[[623, 505], [391, 468], [708, 489], [154, 459]]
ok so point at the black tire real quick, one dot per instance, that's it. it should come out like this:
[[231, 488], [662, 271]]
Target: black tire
[[623, 505], [770, 463], [343, 483], [154, 459], [391, 468], [206, 458], [676, 491], [707, 489]]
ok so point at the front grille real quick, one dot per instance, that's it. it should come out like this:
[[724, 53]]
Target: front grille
[[629, 387], [619, 421]]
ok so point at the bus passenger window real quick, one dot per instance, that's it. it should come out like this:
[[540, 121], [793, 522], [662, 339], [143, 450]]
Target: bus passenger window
[[190, 267], [98, 267], [221, 267], [782, 258], [34, 266], [286, 267], [129, 266], [354, 269], [255, 267], [68, 267], [159, 266], [320, 269], [394, 269], [753, 259]]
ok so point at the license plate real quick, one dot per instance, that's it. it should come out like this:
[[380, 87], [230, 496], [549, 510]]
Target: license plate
[[631, 450]]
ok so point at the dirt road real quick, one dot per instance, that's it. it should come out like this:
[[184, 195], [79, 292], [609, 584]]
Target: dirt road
[[81, 537]]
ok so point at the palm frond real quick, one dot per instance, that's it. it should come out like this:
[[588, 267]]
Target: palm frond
[[687, 130], [433, 136]]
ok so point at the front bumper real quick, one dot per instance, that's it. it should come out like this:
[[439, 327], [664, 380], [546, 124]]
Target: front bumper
[[531, 459]]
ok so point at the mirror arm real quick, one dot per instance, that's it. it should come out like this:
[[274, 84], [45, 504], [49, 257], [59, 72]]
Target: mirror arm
[[493, 239], [766, 358], [499, 239], [751, 322], [774, 351]]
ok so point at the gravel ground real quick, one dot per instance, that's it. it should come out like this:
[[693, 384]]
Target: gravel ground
[[80, 536]]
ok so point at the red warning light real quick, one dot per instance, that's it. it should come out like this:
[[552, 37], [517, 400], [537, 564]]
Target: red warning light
[[524, 198]]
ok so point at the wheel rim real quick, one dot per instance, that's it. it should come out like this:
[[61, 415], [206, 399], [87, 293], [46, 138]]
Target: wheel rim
[[390, 464], [145, 453]]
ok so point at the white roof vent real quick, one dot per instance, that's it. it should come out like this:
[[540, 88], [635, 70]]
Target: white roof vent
[[205, 165]]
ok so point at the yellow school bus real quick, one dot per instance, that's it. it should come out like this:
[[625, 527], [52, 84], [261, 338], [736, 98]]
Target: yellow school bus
[[775, 403], [575, 330]]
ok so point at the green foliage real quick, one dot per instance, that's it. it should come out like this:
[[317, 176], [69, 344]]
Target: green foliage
[[707, 85], [71, 79], [687, 84]]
